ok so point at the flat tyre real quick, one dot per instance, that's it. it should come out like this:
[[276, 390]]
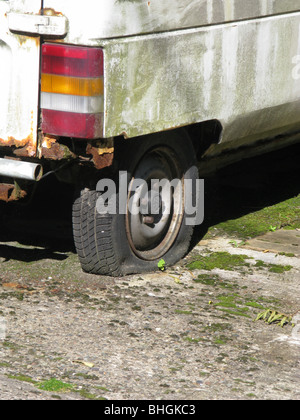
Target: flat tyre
[[150, 223]]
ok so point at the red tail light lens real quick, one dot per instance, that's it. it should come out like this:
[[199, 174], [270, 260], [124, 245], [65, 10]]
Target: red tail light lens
[[72, 91], [72, 61]]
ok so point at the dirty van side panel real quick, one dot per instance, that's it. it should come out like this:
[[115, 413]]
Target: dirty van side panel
[[19, 81], [93, 20], [239, 73], [177, 62]]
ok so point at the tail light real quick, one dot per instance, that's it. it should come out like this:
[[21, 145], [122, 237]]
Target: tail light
[[72, 91]]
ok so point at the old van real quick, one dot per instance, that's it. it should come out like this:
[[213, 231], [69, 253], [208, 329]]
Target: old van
[[139, 90]]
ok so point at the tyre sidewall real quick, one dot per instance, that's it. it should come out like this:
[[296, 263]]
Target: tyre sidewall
[[129, 157]]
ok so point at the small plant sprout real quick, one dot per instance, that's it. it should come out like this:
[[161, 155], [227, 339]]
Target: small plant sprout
[[161, 265]]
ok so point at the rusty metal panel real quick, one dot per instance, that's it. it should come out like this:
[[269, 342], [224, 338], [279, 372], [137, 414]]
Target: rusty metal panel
[[93, 20], [240, 73], [19, 81], [11, 192]]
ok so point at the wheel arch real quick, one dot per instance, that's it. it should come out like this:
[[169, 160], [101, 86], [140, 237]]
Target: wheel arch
[[203, 135]]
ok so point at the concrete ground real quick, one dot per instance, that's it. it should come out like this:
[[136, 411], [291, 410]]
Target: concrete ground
[[186, 333]]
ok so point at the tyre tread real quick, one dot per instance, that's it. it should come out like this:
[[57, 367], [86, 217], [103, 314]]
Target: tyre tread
[[92, 237]]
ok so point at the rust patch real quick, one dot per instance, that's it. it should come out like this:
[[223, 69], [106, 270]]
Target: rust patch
[[51, 149], [48, 11], [28, 151], [11, 192], [25, 147], [12, 142], [23, 39], [102, 152]]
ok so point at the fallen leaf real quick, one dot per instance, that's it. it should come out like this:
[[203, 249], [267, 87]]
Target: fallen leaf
[[10, 285], [88, 364]]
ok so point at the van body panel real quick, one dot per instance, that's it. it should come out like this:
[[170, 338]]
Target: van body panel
[[242, 74], [93, 20], [166, 64], [175, 63], [19, 80]]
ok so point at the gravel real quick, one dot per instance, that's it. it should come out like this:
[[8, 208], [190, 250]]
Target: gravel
[[162, 336]]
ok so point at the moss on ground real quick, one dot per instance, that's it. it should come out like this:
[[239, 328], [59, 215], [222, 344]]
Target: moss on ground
[[222, 260], [282, 215], [273, 268], [230, 262]]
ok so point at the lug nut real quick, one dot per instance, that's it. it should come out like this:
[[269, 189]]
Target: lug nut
[[148, 220]]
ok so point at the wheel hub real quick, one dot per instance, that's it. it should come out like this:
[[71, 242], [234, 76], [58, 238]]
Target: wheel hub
[[152, 230], [151, 204]]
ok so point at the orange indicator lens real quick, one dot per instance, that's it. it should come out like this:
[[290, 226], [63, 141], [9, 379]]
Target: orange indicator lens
[[72, 85]]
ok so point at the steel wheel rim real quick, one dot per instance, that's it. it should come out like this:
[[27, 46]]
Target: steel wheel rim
[[150, 241]]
